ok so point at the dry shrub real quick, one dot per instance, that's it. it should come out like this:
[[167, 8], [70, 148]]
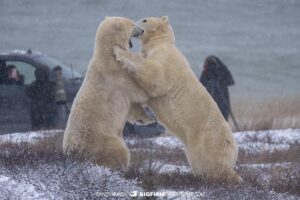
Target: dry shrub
[[144, 151], [291, 154], [49, 149], [282, 179], [146, 161], [55, 176], [277, 170], [271, 113]]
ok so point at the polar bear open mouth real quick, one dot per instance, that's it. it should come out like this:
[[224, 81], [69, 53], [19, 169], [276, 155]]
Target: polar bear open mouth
[[137, 31]]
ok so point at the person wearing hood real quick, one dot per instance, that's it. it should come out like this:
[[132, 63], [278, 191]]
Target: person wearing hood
[[216, 78], [42, 94]]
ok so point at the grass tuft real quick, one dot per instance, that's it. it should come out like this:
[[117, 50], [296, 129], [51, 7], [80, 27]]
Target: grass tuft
[[272, 113]]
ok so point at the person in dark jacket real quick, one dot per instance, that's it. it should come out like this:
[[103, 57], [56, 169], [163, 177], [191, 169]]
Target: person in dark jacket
[[60, 98], [2, 72], [42, 94], [216, 78]]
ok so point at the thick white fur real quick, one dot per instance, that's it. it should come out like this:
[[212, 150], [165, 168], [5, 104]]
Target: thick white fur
[[103, 103], [180, 101]]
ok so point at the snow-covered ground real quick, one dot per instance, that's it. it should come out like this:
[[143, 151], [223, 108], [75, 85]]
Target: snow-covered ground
[[30, 137], [32, 184], [19, 189], [249, 141], [271, 140], [58, 181]]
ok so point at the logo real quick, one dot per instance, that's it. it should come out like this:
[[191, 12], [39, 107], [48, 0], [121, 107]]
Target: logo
[[133, 194]]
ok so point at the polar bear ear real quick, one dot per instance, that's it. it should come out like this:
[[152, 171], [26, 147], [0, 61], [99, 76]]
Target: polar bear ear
[[165, 19]]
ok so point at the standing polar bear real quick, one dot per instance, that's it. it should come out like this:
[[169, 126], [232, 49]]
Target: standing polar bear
[[103, 103], [180, 101]]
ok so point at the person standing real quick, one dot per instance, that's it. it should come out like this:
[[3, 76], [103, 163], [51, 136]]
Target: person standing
[[60, 98], [41, 92], [216, 78]]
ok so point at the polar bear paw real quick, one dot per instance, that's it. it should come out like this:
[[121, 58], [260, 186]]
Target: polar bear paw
[[125, 58]]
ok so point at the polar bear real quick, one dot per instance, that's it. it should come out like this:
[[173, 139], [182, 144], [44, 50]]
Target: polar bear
[[102, 105], [180, 102]]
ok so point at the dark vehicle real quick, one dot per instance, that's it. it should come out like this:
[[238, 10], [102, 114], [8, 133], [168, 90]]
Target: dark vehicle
[[14, 103], [143, 130]]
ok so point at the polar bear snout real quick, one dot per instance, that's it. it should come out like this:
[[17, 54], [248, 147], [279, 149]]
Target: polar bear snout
[[137, 31]]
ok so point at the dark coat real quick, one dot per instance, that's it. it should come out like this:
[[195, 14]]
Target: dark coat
[[216, 78], [2, 72], [42, 94]]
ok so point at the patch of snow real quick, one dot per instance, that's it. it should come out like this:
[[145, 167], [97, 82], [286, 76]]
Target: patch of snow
[[65, 181], [270, 140], [266, 173], [250, 141], [131, 141], [168, 168], [167, 141], [266, 165], [21, 190], [259, 147], [164, 141], [274, 136], [30, 137]]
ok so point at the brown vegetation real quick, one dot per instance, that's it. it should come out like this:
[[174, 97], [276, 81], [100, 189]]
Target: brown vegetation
[[271, 113], [148, 158]]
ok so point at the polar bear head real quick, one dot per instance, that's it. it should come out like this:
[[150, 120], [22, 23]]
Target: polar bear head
[[114, 31], [151, 28]]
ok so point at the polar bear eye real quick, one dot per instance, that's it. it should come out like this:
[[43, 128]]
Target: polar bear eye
[[144, 21]]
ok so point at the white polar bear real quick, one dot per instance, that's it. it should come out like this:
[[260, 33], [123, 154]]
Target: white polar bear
[[180, 101], [102, 105]]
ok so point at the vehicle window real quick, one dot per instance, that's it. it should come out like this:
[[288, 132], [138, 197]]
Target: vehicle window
[[25, 69], [67, 72]]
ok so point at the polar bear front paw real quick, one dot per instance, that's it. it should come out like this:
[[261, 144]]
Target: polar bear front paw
[[125, 59], [118, 52]]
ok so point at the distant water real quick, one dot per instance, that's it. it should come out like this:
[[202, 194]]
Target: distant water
[[259, 40]]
